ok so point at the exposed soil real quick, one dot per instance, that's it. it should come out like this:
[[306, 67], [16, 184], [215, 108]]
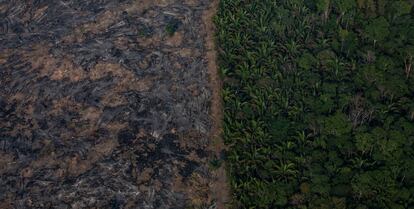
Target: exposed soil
[[109, 104], [219, 186]]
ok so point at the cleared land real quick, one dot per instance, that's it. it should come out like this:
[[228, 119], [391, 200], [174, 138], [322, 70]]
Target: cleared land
[[107, 104]]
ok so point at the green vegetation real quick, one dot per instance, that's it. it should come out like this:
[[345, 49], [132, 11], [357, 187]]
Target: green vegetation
[[319, 102], [171, 27]]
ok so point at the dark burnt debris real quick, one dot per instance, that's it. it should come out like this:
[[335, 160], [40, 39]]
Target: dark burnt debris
[[103, 104]]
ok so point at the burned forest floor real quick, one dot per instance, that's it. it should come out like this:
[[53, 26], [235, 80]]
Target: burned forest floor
[[108, 104]]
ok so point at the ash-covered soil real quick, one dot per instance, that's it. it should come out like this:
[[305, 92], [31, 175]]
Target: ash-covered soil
[[104, 104]]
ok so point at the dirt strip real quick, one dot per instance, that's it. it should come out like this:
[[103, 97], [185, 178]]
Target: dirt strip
[[219, 187]]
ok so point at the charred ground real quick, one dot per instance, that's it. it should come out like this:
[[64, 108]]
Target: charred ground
[[104, 104]]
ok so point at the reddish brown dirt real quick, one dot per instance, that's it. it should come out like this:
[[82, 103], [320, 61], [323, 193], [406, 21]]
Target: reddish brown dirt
[[219, 187]]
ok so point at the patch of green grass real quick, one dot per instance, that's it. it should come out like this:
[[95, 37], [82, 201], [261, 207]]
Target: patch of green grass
[[318, 102], [215, 163], [172, 27]]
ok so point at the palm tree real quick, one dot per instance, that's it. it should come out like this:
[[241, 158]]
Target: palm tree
[[286, 171]]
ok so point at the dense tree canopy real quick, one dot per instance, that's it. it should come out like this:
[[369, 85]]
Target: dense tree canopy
[[319, 102]]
